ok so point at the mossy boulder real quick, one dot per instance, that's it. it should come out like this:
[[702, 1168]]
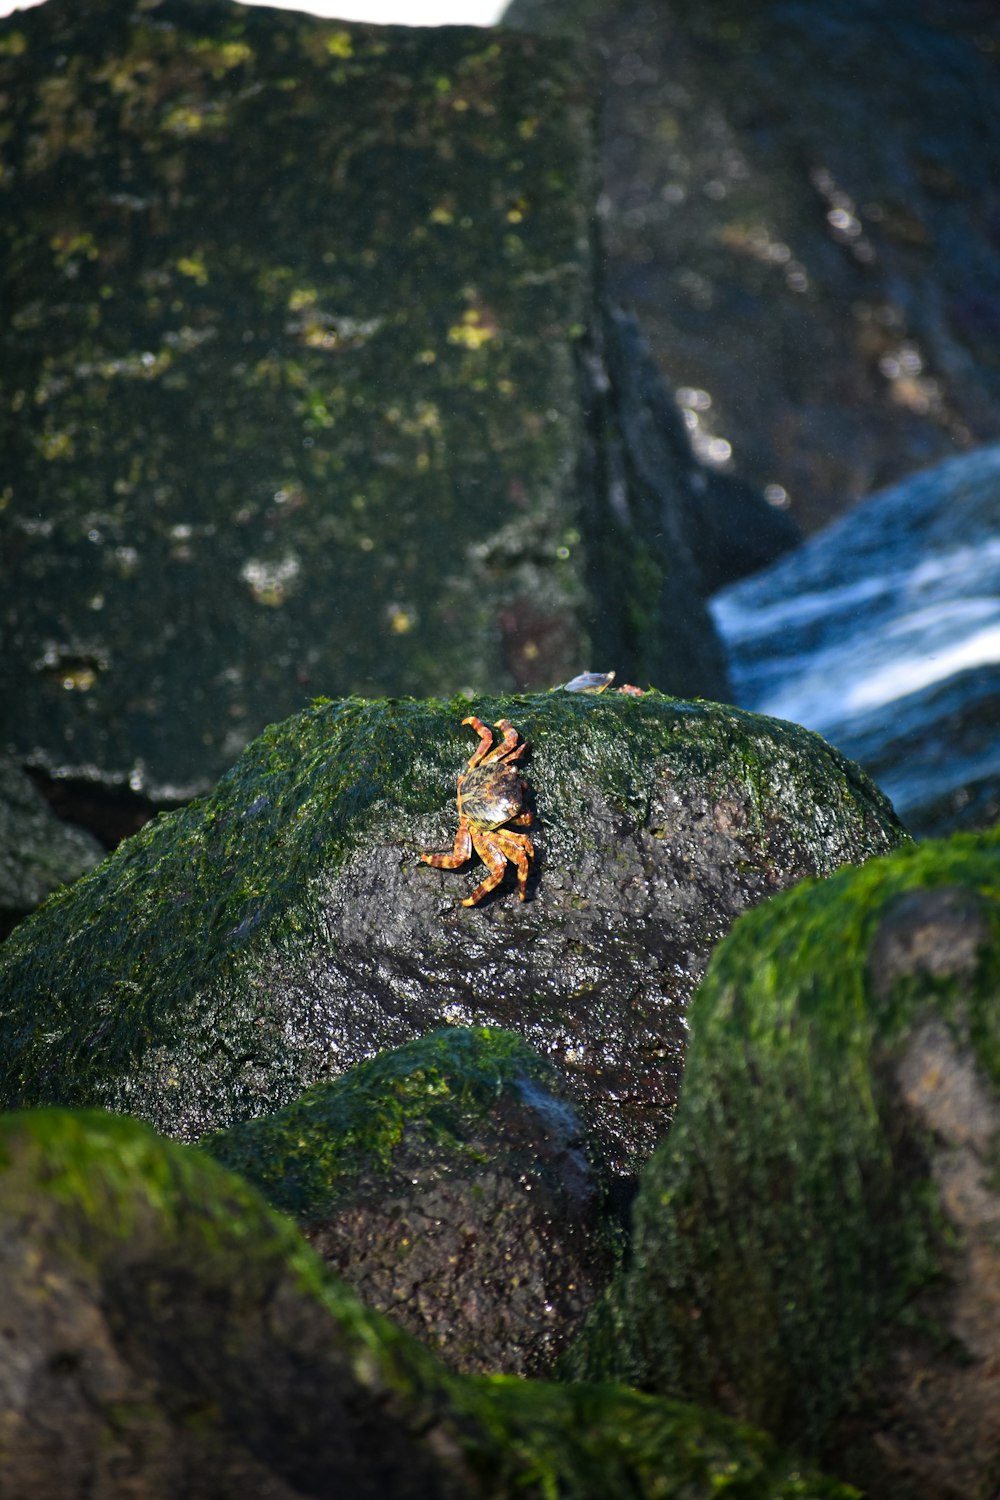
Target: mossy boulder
[[815, 1245], [166, 1333], [283, 929], [449, 1182], [290, 403]]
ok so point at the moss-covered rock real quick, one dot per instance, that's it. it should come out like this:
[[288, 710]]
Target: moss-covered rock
[[283, 929], [449, 1183], [165, 1334], [816, 1244], [290, 403]]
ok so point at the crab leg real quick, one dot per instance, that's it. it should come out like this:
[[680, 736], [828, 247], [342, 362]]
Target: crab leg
[[485, 739], [519, 848], [505, 750], [492, 855], [461, 851]]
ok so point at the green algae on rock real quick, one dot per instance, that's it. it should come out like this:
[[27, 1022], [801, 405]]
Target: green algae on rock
[[450, 1183], [291, 402], [815, 1244], [282, 929], [166, 1333]]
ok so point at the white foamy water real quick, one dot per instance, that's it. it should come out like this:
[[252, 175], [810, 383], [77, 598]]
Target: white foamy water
[[875, 620]]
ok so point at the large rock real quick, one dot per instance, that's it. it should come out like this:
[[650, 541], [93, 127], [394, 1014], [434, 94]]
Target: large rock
[[283, 929], [166, 1334], [290, 402], [799, 202], [816, 1243], [883, 634], [454, 1186]]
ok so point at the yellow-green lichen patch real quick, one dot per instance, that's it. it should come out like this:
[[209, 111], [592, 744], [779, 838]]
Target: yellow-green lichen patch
[[275, 348]]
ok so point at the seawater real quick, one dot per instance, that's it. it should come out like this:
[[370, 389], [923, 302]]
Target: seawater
[[883, 632]]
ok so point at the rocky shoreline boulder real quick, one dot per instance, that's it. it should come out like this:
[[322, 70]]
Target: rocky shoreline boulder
[[38, 851], [454, 1186], [283, 929], [797, 201], [165, 1333], [815, 1244]]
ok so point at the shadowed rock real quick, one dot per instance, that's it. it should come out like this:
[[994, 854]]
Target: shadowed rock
[[816, 1243], [799, 202], [166, 1334], [37, 851]]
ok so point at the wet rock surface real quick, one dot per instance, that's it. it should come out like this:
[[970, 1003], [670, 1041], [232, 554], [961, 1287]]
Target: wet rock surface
[[281, 419], [815, 1243], [452, 1184], [798, 202], [166, 1333], [283, 930]]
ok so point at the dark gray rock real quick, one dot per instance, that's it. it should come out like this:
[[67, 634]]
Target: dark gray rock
[[38, 852], [665, 530], [283, 929], [452, 1184], [799, 202]]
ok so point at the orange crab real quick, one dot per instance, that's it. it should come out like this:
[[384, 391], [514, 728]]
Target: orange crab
[[490, 799]]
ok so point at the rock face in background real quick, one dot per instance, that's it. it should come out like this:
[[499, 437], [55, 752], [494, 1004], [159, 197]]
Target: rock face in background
[[800, 203], [883, 634], [815, 1243], [283, 929], [452, 1183], [291, 397], [37, 851]]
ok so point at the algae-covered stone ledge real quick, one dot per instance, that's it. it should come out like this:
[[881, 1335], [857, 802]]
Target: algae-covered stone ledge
[[292, 399], [281, 929], [166, 1334]]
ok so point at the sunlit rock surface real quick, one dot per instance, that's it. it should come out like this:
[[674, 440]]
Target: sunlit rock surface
[[816, 1241], [799, 201], [883, 634], [289, 391], [282, 929]]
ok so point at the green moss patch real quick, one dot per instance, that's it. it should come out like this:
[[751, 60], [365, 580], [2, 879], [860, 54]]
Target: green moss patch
[[791, 1216]]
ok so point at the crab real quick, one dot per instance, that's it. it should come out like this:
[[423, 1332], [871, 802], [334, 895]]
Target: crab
[[490, 799]]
